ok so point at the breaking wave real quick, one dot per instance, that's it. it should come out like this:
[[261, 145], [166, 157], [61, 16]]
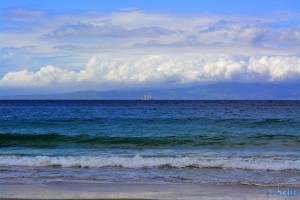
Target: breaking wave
[[152, 162]]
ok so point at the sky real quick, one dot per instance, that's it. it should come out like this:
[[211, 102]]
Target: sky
[[58, 46]]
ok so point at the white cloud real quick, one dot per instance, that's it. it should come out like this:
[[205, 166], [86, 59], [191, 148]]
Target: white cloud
[[107, 29], [276, 68], [128, 28], [46, 76], [161, 69], [139, 48]]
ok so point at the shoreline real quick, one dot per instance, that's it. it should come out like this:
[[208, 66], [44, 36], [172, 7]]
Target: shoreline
[[126, 191]]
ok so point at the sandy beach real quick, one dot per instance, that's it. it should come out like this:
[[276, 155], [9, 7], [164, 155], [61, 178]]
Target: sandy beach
[[142, 191]]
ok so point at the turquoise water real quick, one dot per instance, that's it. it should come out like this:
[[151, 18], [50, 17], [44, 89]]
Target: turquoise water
[[230, 142]]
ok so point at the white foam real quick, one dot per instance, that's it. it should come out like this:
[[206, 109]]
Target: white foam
[[153, 162]]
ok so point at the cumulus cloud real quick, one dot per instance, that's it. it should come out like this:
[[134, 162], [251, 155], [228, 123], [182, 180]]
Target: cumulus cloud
[[46, 76], [158, 69], [276, 68]]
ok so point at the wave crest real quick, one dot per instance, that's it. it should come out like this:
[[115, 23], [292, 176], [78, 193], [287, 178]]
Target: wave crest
[[152, 162]]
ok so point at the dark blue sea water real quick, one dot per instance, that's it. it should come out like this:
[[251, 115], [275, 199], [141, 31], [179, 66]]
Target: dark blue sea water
[[225, 142]]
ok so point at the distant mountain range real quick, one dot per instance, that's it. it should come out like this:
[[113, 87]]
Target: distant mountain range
[[220, 91]]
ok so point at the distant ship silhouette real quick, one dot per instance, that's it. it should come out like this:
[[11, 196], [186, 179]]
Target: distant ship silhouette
[[147, 97]]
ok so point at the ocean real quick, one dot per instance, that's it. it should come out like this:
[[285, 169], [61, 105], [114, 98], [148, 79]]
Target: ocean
[[218, 142]]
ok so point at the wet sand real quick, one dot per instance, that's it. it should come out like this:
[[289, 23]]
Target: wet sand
[[142, 191]]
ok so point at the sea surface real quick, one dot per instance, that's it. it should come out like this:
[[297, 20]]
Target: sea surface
[[219, 142]]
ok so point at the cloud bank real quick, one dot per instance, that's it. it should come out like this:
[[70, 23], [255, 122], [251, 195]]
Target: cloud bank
[[161, 69]]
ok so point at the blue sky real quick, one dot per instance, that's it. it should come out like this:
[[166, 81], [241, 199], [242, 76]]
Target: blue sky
[[191, 6], [76, 45]]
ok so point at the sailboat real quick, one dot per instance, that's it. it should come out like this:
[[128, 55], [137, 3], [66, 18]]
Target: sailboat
[[147, 97]]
